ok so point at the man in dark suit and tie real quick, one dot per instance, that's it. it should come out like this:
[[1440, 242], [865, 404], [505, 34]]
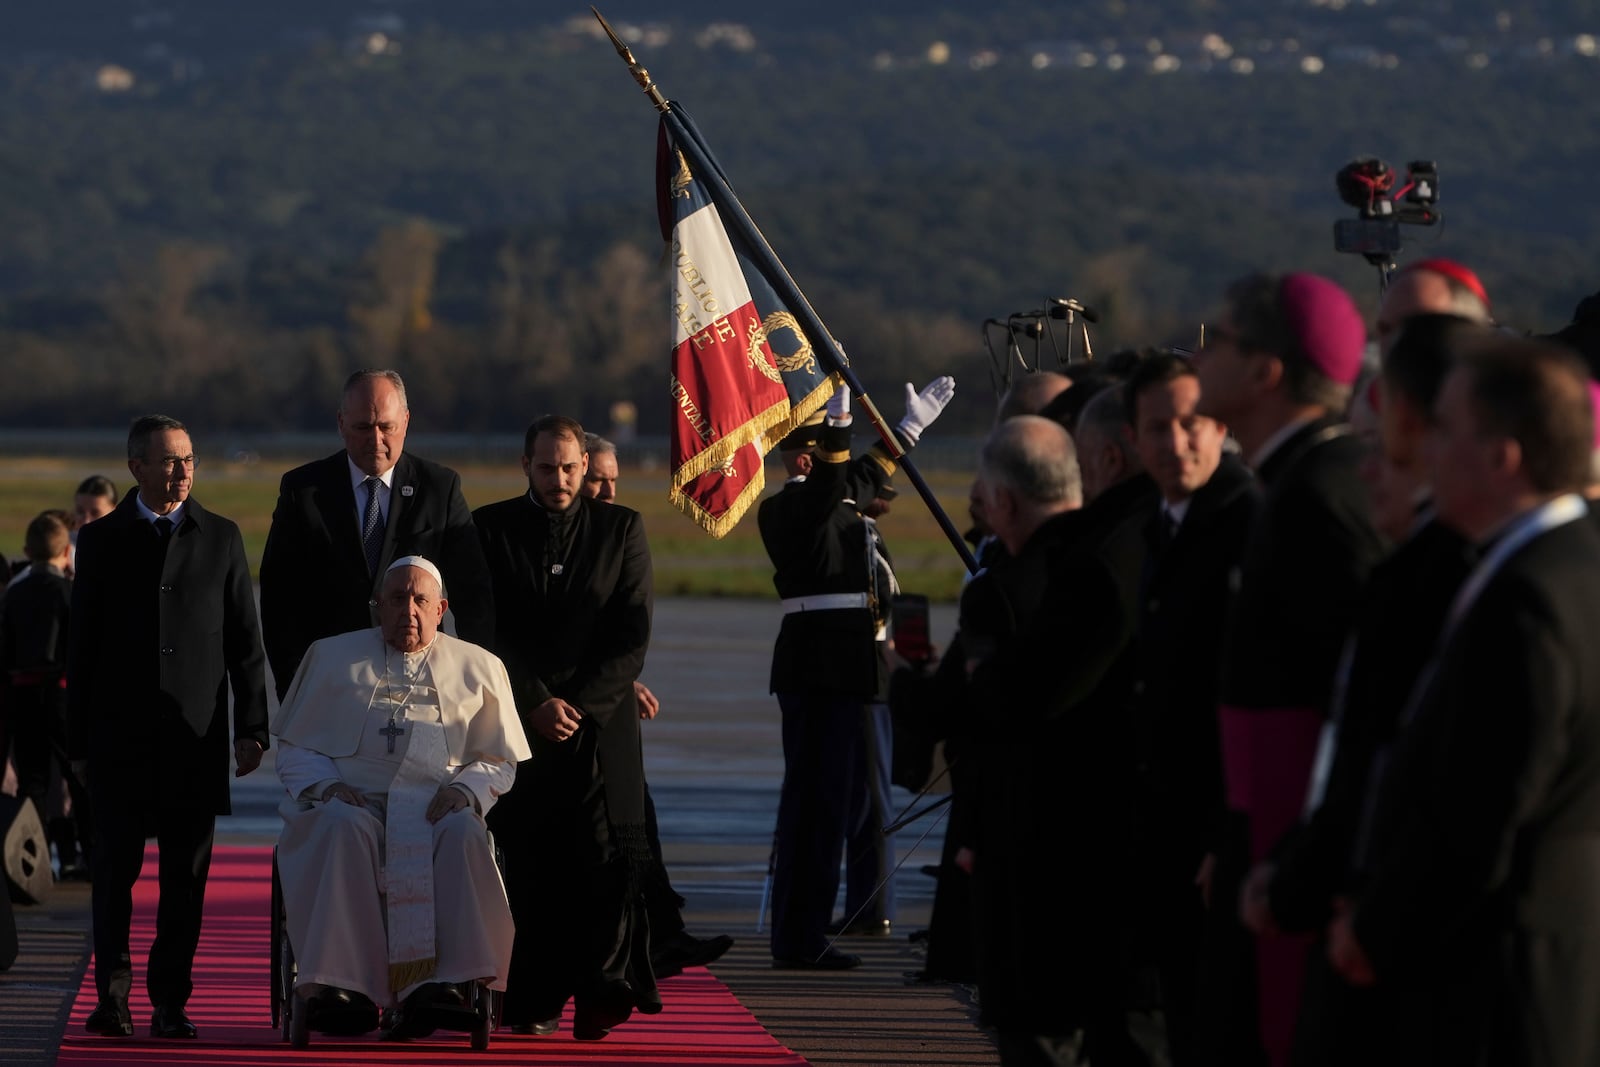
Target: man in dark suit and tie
[[163, 626], [1194, 535], [342, 520]]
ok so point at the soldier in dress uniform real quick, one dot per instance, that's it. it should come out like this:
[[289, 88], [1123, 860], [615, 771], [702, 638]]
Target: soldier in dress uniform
[[827, 667]]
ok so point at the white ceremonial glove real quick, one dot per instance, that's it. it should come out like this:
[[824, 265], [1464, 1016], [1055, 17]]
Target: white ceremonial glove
[[839, 407], [922, 408]]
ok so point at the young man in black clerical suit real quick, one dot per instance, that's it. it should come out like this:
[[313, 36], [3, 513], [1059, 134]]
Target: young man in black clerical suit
[[572, 594], [163, 629], [1481, 894], [341, 521]]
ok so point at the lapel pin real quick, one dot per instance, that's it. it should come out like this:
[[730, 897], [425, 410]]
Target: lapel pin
[[406, 490], [555, 568]]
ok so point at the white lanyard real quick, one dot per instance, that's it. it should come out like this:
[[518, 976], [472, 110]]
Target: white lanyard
[[1539, 521]]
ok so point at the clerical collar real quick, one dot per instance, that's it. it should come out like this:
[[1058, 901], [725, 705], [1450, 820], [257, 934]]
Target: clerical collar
[[358, 477], [561, 531], [557, 516], [175, 515], [1277, 440]]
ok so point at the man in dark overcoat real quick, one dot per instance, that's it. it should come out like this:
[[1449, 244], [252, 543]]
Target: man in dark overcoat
[[163, 629], [1042, 630]]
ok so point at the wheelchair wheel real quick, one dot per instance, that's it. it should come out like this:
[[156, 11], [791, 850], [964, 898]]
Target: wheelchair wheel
[[298, 1023], [293, 1010], [278, 992], [484, 1005]]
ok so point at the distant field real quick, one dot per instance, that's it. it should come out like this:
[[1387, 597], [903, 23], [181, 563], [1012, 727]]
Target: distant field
[[687, 561]]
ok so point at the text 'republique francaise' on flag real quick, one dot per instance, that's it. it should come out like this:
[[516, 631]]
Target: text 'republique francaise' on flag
[[743, 373]]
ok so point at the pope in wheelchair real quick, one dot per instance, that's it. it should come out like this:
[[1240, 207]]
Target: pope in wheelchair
[[393, 744]]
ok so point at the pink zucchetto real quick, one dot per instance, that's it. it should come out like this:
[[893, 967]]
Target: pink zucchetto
[[1326, 323]]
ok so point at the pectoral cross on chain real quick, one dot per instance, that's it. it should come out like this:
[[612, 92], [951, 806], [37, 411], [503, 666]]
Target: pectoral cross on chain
[[392, 731]]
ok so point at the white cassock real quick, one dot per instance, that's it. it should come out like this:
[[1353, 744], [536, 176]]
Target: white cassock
[[378, 900]]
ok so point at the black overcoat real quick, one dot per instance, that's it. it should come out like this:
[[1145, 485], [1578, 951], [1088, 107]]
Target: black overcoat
[[1484, 882], [156, 647]]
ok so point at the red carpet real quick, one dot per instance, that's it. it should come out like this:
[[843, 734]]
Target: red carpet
[[702, 1024]]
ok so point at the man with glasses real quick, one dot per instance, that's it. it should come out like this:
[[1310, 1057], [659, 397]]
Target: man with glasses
[[163, 628], [1278, 370]]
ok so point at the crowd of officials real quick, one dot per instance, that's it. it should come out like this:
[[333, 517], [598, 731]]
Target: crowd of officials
[[1273, 716], [1272, 730]]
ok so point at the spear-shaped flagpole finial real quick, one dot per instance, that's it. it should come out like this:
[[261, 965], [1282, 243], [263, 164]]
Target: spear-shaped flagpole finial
[[640, 75]]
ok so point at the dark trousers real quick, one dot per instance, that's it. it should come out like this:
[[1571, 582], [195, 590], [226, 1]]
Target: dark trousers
[[128, 807], [822, 742], [1227, 1031], [662, 902], [869, 851]]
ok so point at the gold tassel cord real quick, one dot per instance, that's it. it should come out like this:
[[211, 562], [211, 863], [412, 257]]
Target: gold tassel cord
[[409, 973]]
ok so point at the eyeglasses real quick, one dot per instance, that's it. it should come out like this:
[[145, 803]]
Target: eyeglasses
[[171, 463]]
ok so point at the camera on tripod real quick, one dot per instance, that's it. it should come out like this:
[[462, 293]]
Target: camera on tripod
[[1368, 185]]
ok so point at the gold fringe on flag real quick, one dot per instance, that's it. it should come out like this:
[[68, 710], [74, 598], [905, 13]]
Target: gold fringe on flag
[[765, 429]]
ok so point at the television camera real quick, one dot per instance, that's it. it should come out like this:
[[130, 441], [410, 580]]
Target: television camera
[[1368, 185]]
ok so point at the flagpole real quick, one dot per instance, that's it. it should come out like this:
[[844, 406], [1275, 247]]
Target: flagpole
[[733, 213]]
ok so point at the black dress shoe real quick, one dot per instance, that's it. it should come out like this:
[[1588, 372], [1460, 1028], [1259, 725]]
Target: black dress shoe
[[404, 1023], [682, 951], [172, 1023], [832, 960], [542, 1029], [860, 928], [341, 1013], [594, 1015], [110, 1018]]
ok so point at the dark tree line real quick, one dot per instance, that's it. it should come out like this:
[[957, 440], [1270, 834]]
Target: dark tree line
[[479, 212]]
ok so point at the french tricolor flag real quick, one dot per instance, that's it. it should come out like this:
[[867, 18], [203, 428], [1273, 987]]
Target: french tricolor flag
[[743, 372]]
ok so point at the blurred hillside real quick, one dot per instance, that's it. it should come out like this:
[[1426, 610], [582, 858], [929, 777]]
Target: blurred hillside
[[220, 209]]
